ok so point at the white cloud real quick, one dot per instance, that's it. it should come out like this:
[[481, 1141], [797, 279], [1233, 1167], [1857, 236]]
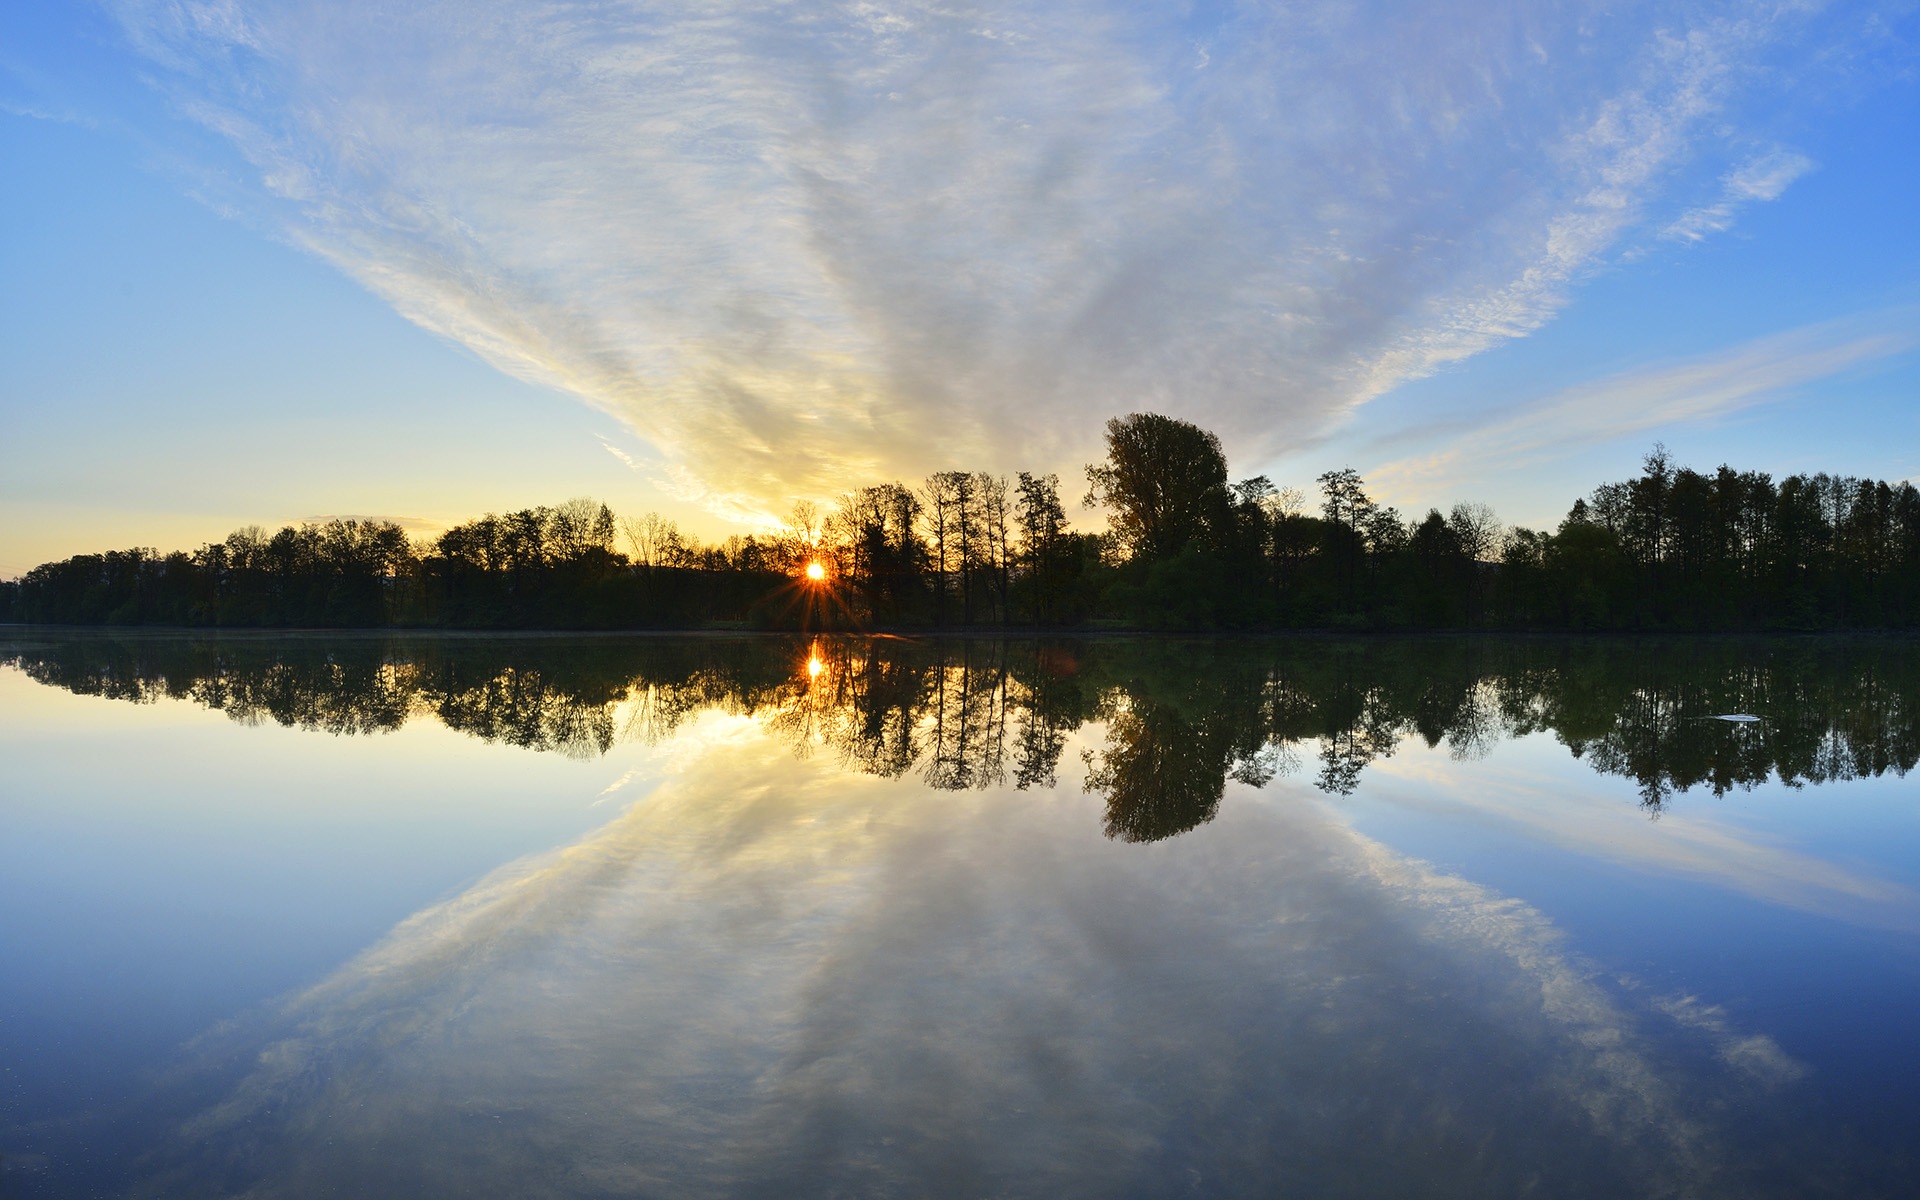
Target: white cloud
[[802, 246], [1762, 179], [1705, 388], [631, 463], [35, 112]]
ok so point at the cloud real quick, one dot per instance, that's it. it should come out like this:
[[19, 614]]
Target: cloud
[[1762, 179], [628, 460], [798, 247], [35, 112], [1700, 389]]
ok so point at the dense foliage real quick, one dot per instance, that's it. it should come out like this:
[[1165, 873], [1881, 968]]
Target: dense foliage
[[1672, 549]]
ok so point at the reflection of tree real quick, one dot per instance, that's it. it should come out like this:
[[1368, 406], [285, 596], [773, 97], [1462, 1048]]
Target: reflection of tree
[[520, 707], [857, 698], [1159, 774], [969, 720], [1050, 704], [1829, 712], [878, 696], [946, 710], [1181, 718], [1175, 735], [341, 687], [1359, 726]]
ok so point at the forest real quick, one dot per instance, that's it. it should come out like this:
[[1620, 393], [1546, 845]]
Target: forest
[[1184, 548]]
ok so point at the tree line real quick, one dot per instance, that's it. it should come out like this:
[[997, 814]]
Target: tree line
[[1184, 548], [1179, 718]]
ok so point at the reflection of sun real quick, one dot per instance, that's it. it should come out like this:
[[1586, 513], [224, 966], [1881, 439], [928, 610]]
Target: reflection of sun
[[816, 571], [815, 666]]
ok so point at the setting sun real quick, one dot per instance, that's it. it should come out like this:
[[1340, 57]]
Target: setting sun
[[816, 571]]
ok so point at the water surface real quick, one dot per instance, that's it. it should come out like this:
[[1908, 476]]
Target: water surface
[[701, 916]]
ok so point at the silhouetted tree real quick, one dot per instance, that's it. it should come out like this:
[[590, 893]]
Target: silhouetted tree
[[1165, 482]]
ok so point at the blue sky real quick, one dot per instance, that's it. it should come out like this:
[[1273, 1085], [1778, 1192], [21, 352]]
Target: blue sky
[[268, 261]]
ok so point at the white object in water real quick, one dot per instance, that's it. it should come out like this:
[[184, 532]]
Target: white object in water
[[1741, 718]]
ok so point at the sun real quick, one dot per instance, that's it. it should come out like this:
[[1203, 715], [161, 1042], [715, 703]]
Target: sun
[[816, 571]]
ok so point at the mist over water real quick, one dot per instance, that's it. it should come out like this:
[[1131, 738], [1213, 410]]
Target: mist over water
[[1097, 917]]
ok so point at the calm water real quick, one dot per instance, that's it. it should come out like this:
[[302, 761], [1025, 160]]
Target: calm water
[[718, 917]]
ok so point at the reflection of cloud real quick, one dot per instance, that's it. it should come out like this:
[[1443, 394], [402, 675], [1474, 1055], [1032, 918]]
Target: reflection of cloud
[[795, 245], [1756, 1054], [775, 972], [1699, 389], [626, 777], [1618, 1088], [1591, 820]]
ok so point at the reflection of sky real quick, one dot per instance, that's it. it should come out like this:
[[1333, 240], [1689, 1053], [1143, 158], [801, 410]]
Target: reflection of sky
[[163, 852], [741, 968], [768, 971], [1534, 785], [1789, 910]]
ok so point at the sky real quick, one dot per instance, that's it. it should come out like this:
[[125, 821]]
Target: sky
[[275, 260]]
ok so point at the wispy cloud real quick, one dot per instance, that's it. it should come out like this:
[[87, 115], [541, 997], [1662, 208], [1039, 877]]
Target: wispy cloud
[[628, 460], [1762, 179], [35, 112], [1700, 389], [794, 246]]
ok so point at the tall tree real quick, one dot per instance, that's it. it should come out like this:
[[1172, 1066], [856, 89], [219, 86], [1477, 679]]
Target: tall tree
[[1042, 522], [1351, 511], [941, 516], [1165, 484], [991, 494]]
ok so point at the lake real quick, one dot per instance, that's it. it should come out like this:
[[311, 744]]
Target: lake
[[704, 916]]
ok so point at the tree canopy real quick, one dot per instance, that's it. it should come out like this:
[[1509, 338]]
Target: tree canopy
[[1164, 483]]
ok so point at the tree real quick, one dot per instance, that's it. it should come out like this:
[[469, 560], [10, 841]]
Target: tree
[[996, 556], [654, 540], [1043, 522], [1479, 533], [799, 536], [1039, 515], [1344, 498], [1165, 482], [957, 532], [873, 535], [939, 510], [1347, 506], [578, 528]]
